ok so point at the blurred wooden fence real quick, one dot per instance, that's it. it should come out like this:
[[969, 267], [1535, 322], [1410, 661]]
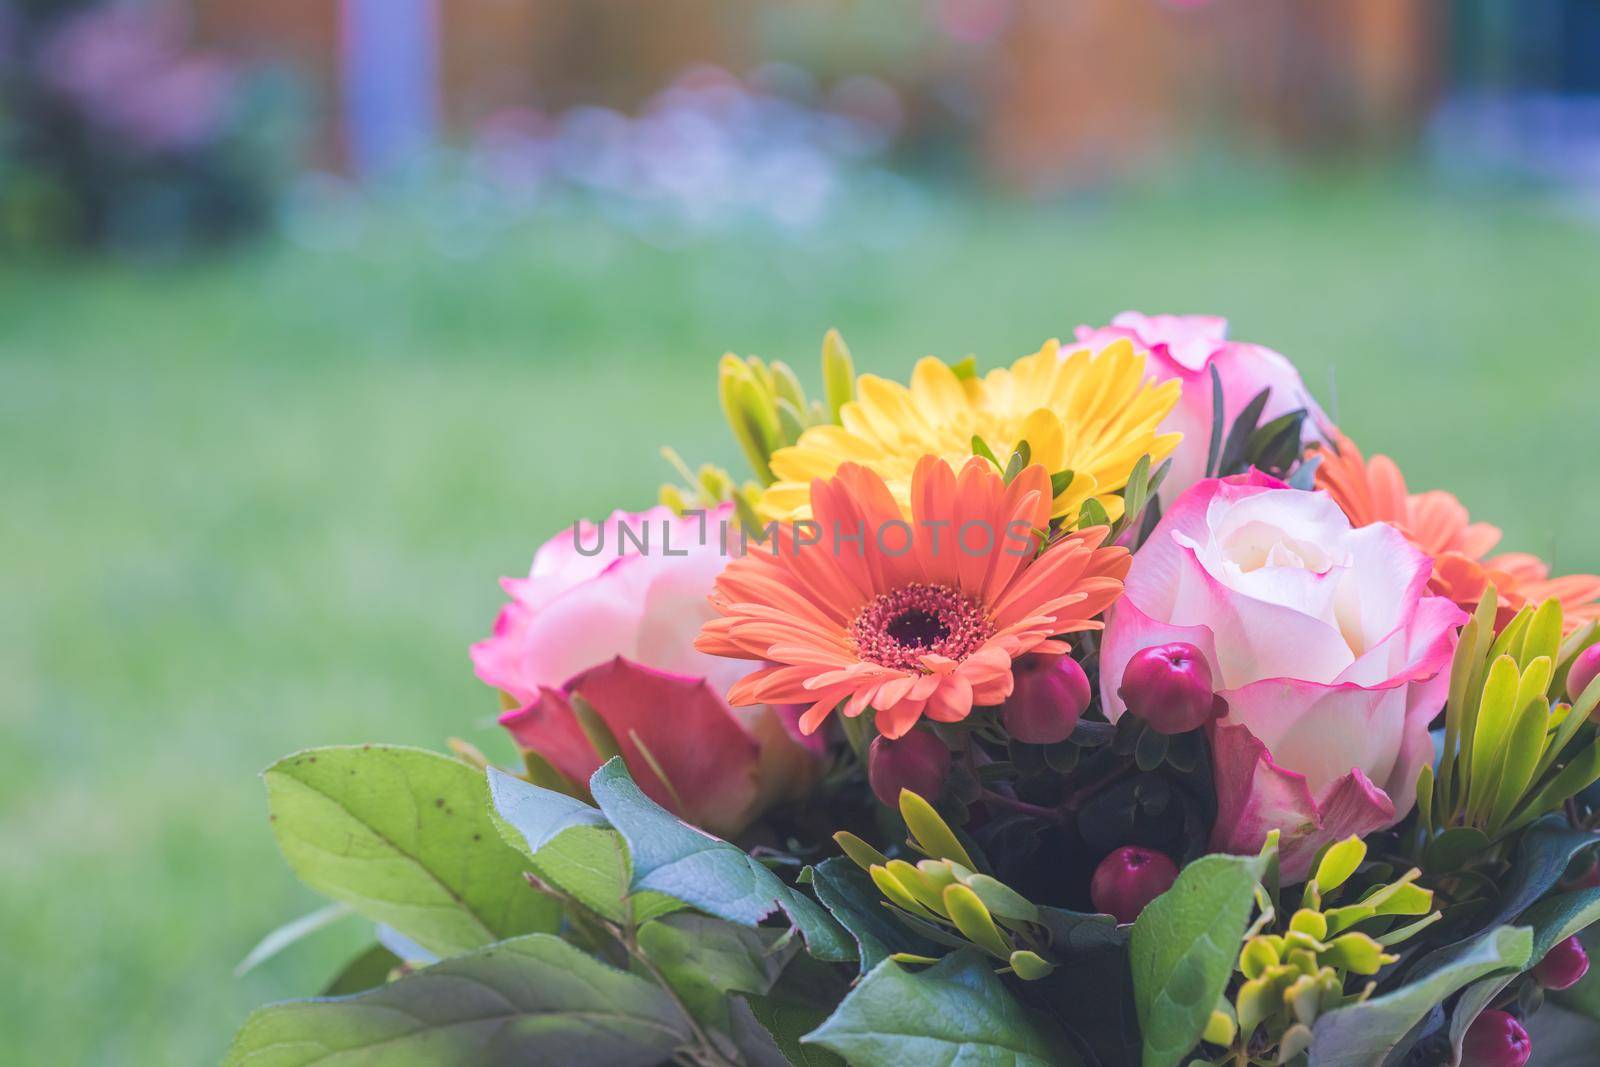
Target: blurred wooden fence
[[1067, 92]]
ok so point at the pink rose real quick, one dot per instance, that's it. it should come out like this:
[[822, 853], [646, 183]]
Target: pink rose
[[1186, 347], [1321, 638], [610, 612]]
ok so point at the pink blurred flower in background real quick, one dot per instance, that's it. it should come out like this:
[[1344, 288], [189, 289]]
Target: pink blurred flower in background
[[1321, 638], [129, 68], [613, 620], [1186, 347]]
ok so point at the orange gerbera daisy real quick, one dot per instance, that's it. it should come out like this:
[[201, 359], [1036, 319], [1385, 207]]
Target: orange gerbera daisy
[[910, 618], [1374, 490]]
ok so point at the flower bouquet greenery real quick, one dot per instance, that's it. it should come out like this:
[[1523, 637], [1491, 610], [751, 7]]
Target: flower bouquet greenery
[[1109, 708]]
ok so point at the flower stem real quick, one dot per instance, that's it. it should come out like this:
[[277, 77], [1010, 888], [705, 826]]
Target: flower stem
[[1038, 811]]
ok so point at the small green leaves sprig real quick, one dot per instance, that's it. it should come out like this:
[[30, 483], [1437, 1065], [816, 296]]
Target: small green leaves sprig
[[1513, 749], [944, 898], [767, 408], [1297, 970]]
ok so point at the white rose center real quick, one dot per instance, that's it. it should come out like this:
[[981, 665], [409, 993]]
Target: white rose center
[[1257, 545]]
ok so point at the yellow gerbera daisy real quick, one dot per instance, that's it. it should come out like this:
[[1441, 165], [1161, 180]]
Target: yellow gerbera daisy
[[1093, 414]]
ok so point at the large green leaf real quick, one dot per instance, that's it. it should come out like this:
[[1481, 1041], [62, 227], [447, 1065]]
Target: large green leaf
[[591, 865], [1552, 920], [531, 816], [782, 1024], [1542, 857], [955, 1012], [534, 999], [369, 970], [1363, 1034], [1182, 952], [1091, 993], [847, 892], [404, 837], [671, 857], [705, 959], [572, 847]]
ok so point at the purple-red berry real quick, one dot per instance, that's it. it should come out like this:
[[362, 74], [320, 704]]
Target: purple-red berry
[[1584, 669], [1563, 965], [1050, 696], [1495, 1039], [1169, 687], [919, 761], [1130, 878]]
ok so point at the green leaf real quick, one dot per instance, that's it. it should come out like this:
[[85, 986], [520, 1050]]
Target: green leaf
[[930, 832], [536, 815], [671, 857], [705, 959], [1235, 447], [1091, 993], [1360, 1035], [367, 971], [1524, 746], [1092, 514], [1494, 722], [572, 847], [1454, 849], [591, 866], [1183, 948], [1541, 860], [404, 837], [290, 932], [1214, 449], [534, 999], [980, 447], [847, 893], [838, 373], [784, 1023], [955, 1012]]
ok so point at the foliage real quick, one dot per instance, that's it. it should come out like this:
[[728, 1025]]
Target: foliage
[[1513, 749]]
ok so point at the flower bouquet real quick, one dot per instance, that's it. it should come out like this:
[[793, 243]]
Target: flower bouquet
[[1109, 708]]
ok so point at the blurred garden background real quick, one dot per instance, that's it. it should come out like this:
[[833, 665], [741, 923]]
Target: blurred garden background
[[318, 317]]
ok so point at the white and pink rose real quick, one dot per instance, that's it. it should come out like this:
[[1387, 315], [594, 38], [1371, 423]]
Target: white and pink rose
[[1322, 639]]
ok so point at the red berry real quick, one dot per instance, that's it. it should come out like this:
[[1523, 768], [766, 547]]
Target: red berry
[[1130, 878], [1169, 687], [1584, 669], [919, 761], [1495, 1039], [1050, 696], [1563, 965]]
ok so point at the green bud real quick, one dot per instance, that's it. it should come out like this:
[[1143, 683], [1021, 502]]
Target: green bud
[[861, 854], [1339, 862], [931, 834], [917, 885], [898, 894], [1357, 954], [838, 373], [974, 920], [1259, 954], [1295, 1040], [1221, 1027], [1311, 923], [1030, 966], [1001, 899]]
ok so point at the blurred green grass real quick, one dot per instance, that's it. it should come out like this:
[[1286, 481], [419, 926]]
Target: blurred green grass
[[260, 504]]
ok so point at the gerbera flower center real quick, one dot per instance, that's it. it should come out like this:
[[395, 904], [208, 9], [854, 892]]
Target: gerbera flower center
[[897, 629]]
